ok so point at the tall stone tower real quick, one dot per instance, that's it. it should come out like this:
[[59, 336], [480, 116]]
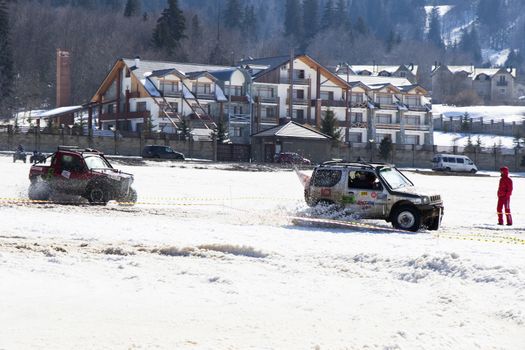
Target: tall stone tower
[[63, 79]]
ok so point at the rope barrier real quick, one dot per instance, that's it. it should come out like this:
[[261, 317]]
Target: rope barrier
[[350, 224]]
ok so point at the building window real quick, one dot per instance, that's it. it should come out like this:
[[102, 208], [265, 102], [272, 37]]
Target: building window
[[412, 139], [327, 95], [355, 137], [413, 120], [403, 74], [234, 90], [413, 100], [141, 107], [270, 112], [265, 92], [203, 88], [383, 118], [298, 94], [168, 86], [380, 137], [384, 99], [298, 115], [298, 74], [237, 131], [357, 98], [356, 117], [111, 108]]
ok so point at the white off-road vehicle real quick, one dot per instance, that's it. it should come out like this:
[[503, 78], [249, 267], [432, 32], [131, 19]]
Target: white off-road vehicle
[[374, 191]]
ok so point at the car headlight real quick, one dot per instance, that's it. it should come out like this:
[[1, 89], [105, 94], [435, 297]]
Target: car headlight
[[425, 200]]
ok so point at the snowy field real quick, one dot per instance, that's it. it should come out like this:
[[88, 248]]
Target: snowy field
[[209, 259]]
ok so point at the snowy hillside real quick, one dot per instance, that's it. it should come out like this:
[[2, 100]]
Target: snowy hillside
[[209, 259]]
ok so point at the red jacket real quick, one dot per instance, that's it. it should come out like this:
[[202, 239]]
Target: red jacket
[[505, 184]]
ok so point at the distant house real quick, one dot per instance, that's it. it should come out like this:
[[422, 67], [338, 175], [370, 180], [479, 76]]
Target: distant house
[[409, 72], [154, 96], [493, 85], [140, 96]]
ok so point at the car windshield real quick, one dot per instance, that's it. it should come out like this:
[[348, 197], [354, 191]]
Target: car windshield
[[96, 162], [394, 178]]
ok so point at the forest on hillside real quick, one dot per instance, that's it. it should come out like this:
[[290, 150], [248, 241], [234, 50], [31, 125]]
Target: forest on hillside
[[98, 32]]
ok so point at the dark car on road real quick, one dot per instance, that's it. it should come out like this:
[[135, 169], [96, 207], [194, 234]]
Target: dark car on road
[[161, 152], [291, 158]]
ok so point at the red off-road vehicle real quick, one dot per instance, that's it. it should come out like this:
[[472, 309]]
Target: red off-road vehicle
[[81, 172]]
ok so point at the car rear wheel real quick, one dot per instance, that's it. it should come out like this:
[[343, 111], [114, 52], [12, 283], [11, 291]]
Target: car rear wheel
[[39, 191], [407, 218], [472, 171]]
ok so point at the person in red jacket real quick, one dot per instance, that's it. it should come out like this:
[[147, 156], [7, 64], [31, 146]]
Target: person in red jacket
[[504, 192]]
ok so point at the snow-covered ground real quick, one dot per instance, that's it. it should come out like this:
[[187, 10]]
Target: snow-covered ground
[[209, 259], [488, 113]]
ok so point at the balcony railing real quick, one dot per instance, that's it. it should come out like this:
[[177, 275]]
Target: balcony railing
[[121, 116], [297, 101], [171, 93], [419, 127], [267, 120], [388, 126], [419, 108], [265, 99], [331, 103], [238, 98], [240, 118], [385, 105], [296, 81], [204, 96], [363, 125]]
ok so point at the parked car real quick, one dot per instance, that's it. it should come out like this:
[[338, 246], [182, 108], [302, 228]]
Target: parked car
[[291, 158], [374, 191], [161, 152], [81, 172], [453, 162]]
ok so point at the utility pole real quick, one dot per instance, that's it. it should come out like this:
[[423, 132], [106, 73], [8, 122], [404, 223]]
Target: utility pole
[[290, 90]]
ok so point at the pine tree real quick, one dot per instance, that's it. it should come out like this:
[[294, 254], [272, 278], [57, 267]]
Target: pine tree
[[385, 148], [434, 31], [328, 15], [170, 28], [6, 60], [292, 18], [220, 132], [233, 15], [310, 18], [132, 8], [360, 26], [329, 125], [341, 16], [184, 130], [196, 29], [249, 22]]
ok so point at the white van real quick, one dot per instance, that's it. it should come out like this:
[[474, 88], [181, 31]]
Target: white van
[[453, 162]]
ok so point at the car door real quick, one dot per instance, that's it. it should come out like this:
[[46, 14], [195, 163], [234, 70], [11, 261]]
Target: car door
[[365, 198], [70, 173]]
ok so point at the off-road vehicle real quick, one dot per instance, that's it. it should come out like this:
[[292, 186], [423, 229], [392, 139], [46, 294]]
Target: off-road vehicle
[[81, 172], [374, 191]]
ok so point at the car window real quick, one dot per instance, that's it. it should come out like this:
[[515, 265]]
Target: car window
[[363, 179], [394, 178], [70, 162], [327, 177], [460, 160], [96, 162]]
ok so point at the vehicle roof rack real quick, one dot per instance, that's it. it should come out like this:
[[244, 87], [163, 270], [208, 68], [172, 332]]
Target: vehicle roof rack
[[75, 149], [360, 163]]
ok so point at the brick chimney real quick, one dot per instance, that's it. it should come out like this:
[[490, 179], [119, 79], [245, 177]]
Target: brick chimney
[[63, 79]]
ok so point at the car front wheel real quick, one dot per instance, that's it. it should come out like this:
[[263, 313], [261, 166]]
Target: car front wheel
[[97, 195], [407, 218]]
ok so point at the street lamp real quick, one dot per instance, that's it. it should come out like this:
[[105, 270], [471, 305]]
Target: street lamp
[[371, 145]]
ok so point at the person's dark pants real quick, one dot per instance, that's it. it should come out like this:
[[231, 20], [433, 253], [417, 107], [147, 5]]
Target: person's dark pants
[[504, 202]]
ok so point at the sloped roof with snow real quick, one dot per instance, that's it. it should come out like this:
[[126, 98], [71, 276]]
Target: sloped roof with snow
[[474, 72], [375, 69], [293, 130]]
